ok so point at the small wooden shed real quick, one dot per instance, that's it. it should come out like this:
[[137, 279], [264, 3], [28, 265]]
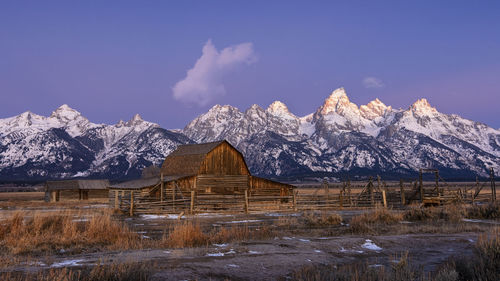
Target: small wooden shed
[[195, 173], [75, 190]]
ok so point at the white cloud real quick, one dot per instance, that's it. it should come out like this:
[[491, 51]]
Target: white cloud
[[372, 82], [203, 82]]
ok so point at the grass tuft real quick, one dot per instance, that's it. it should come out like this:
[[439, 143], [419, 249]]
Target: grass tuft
[[48, 233], [322, 218]]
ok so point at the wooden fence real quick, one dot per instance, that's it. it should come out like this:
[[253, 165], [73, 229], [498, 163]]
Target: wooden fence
[[324, 197]]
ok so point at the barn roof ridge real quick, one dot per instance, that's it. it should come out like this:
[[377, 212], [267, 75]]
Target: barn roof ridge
[[197, 148], [77, 184]]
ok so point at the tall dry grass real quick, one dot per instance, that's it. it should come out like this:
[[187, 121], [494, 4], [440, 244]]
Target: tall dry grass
[[321, 218], [102, 272], [47, 233], [190, 234], [487, 211], [400, 271], [451, 213], [484, 265], [368, 222]]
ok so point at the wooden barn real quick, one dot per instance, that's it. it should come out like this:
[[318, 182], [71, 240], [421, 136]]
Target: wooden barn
[[75, 190], [200, 177]]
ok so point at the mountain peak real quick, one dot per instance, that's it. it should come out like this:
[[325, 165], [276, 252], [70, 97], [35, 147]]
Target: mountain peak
[[219, 108], [374, 109], [65, 113], [422, 106], [277, 108], [337, 94], [137, 119], [337, 102]]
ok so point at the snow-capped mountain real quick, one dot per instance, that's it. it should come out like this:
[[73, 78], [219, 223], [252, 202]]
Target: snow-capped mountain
[[340, 137], [66, 144]]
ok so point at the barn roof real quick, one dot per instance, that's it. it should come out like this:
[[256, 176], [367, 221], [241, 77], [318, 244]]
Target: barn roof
[[142, 183], [195, 149], [187, 159], [77, 184]]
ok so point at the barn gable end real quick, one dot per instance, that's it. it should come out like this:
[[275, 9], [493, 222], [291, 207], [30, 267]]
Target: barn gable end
[[214, 158]]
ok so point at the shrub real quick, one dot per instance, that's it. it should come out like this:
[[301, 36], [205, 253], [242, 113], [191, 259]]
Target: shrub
[[365, 222], [488, 211], [104, 272], [186, 234], [453, 213], [322, 218], [43, 232]]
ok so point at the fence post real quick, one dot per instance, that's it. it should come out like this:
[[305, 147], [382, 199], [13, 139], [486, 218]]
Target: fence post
[[116, 199], [341, 200], [384, 198], [246, 201], [493, 188], [349, 190], [402, 191], [161, 187], [372, 195], [173, 195], [437, 180], [191, 208], [421, 187], [294, 193], [131, 203]]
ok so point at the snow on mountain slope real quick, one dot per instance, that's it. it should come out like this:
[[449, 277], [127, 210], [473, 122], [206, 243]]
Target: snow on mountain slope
[[337, 138], [66, 144], [340, 136]]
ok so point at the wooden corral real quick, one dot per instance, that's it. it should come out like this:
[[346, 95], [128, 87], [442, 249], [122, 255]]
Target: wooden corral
[[396, 195], [76, 190], [200, 178]]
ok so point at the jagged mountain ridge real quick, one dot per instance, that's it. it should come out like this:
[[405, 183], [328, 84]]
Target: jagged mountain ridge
[[66, 144], [338, 138]]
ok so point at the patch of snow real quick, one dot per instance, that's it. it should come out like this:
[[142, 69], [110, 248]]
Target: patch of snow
[[67, 263], [215, 254], [282, 215], [220, 245], [370, 245], [304, 240], [230, 252], [242, 221], [254, 252], [471, 220], [317, 251], [152, 217], [233, 265]]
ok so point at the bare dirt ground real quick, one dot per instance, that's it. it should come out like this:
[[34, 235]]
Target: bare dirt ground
[[274, 258], [269, 259]]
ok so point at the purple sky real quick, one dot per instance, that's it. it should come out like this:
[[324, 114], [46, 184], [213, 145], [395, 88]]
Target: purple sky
[[112, 60]]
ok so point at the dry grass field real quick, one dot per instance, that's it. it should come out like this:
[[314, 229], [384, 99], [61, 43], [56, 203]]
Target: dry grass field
[[84, 240]]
